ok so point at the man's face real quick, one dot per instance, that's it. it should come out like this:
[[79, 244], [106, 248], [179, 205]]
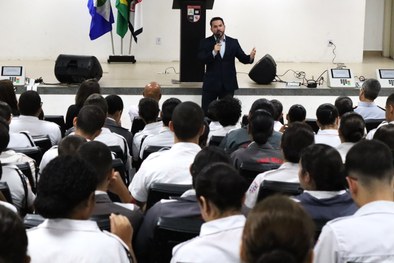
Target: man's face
[[218, 28]]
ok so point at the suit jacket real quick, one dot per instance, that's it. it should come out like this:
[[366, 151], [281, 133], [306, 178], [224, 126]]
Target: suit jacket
[[220, 72]]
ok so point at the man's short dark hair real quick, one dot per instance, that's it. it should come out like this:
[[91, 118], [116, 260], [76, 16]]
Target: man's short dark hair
[[343, 104], [278, 109], [222, 185], [187, 120], [297, 112], [115, 103], [213, 109], [370, 160], [385, 134], [215, 19], [29, 103], [4, 135], [168, 108], [13, 238], [5, 110], [148, 109], [371, 88], [229, 111], [70, 144], [98, 155], [65, 183], [90, 119], [87, 88], [352, 127], [295, 139], [324, 165], [97, 100], [261, 126], [262, 104], [326, 114]]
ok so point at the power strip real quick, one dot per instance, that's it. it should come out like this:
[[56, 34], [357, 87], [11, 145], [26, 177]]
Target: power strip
[[293, 84]]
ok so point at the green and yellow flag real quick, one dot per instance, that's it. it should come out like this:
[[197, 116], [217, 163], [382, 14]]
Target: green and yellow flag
[[122, 21]]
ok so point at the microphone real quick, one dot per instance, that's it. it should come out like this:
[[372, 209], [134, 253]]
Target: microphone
[[218, 35]]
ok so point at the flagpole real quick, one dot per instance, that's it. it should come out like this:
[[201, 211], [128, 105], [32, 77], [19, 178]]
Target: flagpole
[[131, 40], [121, 46], [112, 43]]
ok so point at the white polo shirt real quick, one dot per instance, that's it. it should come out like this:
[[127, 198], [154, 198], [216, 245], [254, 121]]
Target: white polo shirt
[[372, 132], [66, 240], [287, 172], [219, 241], [165, 137], [170, 166], [222, 131], [367, 236], [149, 129], [344, 148], [36, 126], [329, 137]]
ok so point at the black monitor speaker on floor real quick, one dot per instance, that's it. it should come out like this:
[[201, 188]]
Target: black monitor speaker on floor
[[264, 71], [75, 69]]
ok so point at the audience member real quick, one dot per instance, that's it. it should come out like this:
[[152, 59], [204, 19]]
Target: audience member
[[385, 134], [65, 196], [351, 130], [259, 151], [185, 206], [13, 238], [343, 104], [297, 112], [86, 88], [241, 138], [367, 236], [277, 230], [327, 120], [212, 115], [366, 106], [322, 177], [295, 138], [172, 166], [152, 90], [278, 114], [220, 191], [389, 116], [165, 137], [203, 139], [7, 95], [30, 107]]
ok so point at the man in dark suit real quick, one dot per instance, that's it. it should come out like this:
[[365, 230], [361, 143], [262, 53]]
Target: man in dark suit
[[218, 52]]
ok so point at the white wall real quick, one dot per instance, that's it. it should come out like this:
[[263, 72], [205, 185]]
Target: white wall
[[289, 30], [374, 16]]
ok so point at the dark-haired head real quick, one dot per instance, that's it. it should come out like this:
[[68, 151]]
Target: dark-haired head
[[148, 109], [90, 120], [70, 144], [277, 230], [97, 100], [385, 134], [297, 112], [4, 134], [295, 138], [343, 104], [187, 121], [206, 156], [229, 111], [213, 109], [114, 103], [5, 111], [322, 169], [7, 94], [327, 115], [261, 126], [220, 185], [215, 19], [168, 108], [278, 107], [30, 103], [262, 104], [352, 127], [87, 88], [13, 238]]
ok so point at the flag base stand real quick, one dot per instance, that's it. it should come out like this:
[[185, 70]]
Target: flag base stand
[[122, 59]]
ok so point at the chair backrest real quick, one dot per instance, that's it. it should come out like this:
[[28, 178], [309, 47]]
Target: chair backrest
[[373, 123], [33, 152], [5, 190], [119, 166], [137, 125], [26, 170], [151, 149], [249, 171], [43, 142], [215, 140], [117, 150], [268, 188], [170, 232], [319, 224], [59, 120], [313, 124], [158, 191]]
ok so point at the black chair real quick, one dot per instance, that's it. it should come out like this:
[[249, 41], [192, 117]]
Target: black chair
[[373, 123], [33, 152], [158, 191], [249, 171], [59, 120], [43, 142], [26, 170], [313, 124], [319, 224], [5, 190], [215, 140], [137, 125], [170, 232], [268, 188], [115, 149], [151, 149], [119, 166]]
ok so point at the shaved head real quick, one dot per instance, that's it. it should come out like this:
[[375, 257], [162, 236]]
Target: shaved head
[[152, 90]]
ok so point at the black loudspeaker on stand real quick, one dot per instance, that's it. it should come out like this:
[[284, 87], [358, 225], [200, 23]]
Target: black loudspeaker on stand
[[76, 69], [264, 71]]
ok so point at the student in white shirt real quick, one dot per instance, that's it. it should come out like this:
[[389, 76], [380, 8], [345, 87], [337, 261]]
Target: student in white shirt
[[220, 191], [327, 120], [368, 235], [277, 230]]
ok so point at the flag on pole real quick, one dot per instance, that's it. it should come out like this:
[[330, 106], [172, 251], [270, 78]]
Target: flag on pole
[[102, 18], [135, 22], [123, 17]]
